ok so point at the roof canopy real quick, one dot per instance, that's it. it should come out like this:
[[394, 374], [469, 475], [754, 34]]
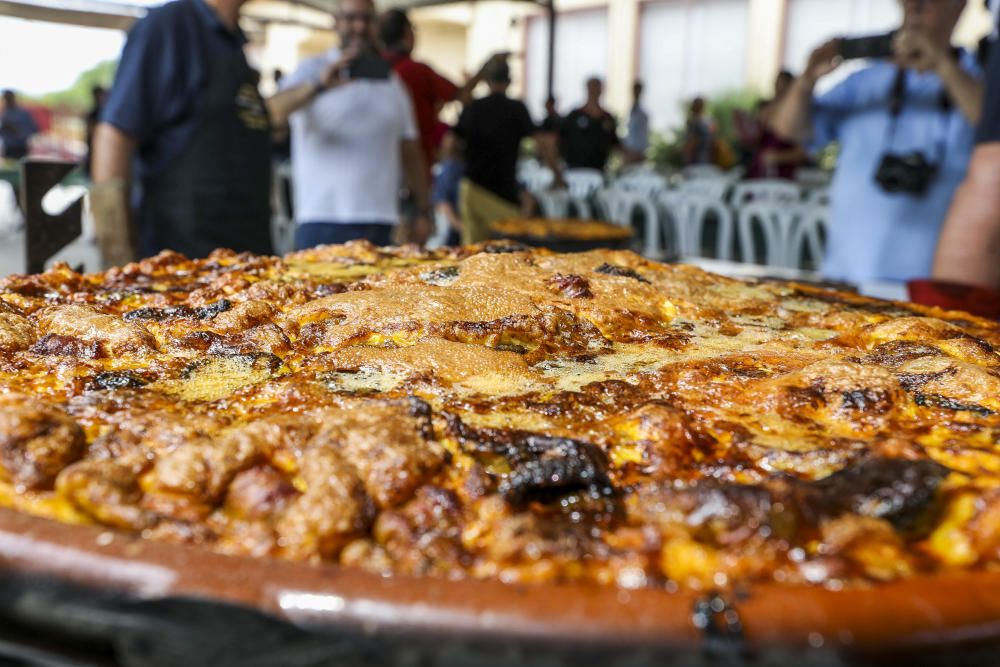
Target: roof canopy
[[312, 13], [121, 15]]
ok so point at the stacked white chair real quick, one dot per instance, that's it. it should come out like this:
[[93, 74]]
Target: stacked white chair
[[642, 181], [772, 223], [689, 214], [766, 190], [811, 177], [817, 196], [709, 188], [619, 207], [698, 171], [582, 184], [537, 178], [553, 203], [808, 238]]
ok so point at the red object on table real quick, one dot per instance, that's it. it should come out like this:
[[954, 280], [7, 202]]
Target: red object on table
[[982, 301]]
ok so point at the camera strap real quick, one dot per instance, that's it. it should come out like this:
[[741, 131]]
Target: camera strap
[[897, 101]]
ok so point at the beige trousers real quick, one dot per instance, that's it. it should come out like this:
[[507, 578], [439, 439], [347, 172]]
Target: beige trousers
[[479, 207]]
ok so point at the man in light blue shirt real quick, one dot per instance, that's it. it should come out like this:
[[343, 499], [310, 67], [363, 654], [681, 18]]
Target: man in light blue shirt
[[925, 100]]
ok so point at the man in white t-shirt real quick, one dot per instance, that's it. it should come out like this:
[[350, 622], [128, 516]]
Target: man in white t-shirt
[[354, 139]]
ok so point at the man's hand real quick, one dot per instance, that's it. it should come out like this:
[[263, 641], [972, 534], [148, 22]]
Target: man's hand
[[335, 74], [916, 50], [109, 206], [497, 58], [825, 59]]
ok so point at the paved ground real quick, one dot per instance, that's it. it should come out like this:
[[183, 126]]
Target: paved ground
[[12, 260]]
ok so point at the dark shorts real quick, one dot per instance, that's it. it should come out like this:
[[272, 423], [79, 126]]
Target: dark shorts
[[312, 234]]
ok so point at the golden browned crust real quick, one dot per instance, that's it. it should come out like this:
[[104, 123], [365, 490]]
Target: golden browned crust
[[500, 412]]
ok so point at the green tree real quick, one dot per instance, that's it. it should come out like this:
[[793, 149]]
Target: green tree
[[78, 97]]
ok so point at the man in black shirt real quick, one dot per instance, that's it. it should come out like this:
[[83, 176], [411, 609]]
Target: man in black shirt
[[589, 134], [969, 247], [553, 121], [492, 129]]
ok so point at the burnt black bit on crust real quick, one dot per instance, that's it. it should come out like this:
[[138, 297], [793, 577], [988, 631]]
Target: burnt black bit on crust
[[915, 381], [265, 360], [543, 468], [67, 346], [866, 400], [182, 312], [897, 352], [897, 490], [571, 286], [442, 275], [118, 380], [622, 271], [938, 401], [562, 465]]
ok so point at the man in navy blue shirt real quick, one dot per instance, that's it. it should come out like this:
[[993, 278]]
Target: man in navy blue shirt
[[184, 122]]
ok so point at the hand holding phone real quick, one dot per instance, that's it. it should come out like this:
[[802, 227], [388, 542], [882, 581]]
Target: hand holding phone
[[825, 59], [335, 74]]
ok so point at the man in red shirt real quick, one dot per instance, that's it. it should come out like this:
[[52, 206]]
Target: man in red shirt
[[428, 89]]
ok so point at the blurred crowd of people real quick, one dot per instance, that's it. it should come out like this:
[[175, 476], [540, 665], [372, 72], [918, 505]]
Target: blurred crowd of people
[[183, 145]]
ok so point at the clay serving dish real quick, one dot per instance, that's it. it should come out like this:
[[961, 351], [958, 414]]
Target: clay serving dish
[[925, 619]]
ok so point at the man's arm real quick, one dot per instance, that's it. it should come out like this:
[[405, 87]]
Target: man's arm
[[415, 172], [464, 92], [283, 104], [914, 49], [791, 119], [964, 89], [969, 247], [109, 193], [547, 146]]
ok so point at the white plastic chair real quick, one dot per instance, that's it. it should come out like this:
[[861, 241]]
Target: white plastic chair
[[816, 197], [697, 171], [282, 224], [619, 206], [708, 188], [775, 223], [526, 167], [690, 215], [583, 183], [808, 239], [809, 177], [536, 179], [766, 190], [643, 182], [553, 203]]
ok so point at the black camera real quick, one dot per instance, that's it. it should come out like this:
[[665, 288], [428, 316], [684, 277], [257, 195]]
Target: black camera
[[910, 173], [873, 46]]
